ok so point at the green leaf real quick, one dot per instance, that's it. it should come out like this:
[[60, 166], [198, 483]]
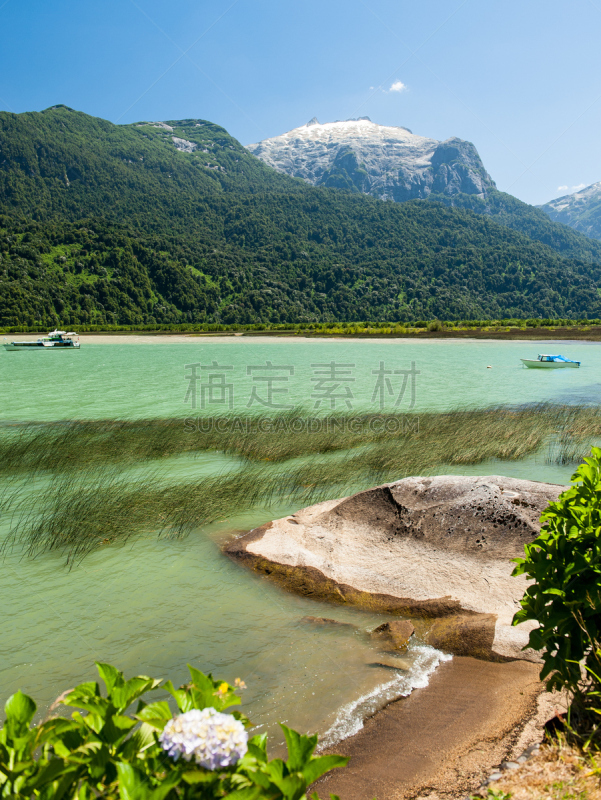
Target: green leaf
[[155, 714], [181, 697], [200, 776], [134, 786], [110, 675], [19, 709], [300, 748], [322, 764], [123, 696], [143, 738], [131, 786], [117, 727], [248, 793], [257, 747]]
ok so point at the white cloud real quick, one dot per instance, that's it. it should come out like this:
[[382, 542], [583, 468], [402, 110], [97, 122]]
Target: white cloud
[[397, 86], [571, 189]]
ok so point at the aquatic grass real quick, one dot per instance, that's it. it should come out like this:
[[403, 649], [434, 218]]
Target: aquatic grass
[[88, 504], [78, 512], [62, 446]]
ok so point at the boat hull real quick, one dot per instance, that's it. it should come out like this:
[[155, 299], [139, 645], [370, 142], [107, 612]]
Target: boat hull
[[534, 364], [40, 346]]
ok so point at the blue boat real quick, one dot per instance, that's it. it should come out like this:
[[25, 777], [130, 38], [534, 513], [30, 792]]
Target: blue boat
[[549, 362]]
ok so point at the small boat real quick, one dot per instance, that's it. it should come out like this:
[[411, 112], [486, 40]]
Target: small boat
[[549, 362], [56, 339]]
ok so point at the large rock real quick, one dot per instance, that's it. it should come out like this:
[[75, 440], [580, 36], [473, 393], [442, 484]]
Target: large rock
[[438, 550]]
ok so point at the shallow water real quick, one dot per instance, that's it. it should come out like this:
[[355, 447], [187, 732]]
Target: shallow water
[[153, 605], [148, 379]]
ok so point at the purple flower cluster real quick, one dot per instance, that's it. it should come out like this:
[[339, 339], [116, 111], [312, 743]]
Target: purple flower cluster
[[209, 737]]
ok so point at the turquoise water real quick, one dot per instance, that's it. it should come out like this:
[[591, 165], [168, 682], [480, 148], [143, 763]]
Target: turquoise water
[[147, 378], [153, 605]]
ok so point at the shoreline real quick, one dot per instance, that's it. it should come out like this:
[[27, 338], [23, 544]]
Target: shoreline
[[270, 337], [574, 334], [443, 740]]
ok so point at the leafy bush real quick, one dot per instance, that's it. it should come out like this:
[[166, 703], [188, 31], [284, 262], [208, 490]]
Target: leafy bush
[[565, 598], [106, 752]]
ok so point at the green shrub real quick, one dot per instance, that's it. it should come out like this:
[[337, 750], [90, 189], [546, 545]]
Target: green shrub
[[565, 598], [435, 325], [106, 752]]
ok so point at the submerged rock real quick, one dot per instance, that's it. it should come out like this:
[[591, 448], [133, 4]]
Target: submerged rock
[[326, 621], [463, 634], [395, 634], [435, 549]]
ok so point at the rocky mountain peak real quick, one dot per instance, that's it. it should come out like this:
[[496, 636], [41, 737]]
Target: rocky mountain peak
[[580, 210], [389, 162]]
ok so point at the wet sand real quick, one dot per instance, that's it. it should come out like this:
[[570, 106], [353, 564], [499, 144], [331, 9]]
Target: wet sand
[[443, 741]]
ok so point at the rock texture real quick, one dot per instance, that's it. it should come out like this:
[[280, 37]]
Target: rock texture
[[387, 162], [438, 550], [581, 210]]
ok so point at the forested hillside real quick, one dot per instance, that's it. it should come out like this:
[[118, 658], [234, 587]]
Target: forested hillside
[[530, 220], [434, 263], [176, 221]]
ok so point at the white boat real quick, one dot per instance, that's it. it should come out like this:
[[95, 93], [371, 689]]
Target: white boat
[[549, 362], [56, 339]]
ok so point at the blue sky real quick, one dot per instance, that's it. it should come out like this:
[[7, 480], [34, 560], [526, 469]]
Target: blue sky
[[519, 78]]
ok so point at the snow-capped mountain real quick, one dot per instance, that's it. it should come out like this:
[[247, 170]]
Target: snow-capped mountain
[[391, 163], [581, 210]]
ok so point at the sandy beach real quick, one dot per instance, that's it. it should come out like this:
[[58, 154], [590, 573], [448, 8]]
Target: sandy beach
[[529, 335], [444, 740]]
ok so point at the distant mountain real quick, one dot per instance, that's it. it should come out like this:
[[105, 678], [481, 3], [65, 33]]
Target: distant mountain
[[176, 221], [390, 163], [581, 210]]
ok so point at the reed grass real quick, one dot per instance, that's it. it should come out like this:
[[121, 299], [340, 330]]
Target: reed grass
[[70, 489], [469, 434]]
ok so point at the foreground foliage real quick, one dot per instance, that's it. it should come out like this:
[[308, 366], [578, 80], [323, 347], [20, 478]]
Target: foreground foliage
[[105, 750], [565, 598]]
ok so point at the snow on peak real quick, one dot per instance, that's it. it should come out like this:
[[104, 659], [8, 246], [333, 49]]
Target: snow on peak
[[352, 132], [580, 210], [386, 161]]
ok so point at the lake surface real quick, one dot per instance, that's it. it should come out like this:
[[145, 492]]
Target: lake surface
[[150, 378], [154, 605]]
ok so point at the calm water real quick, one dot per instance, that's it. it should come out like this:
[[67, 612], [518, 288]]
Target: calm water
[[154, 605], [146, 378]]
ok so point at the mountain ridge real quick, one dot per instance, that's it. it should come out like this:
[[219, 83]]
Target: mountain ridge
[[580, 210], [171, 221], [388, 162]]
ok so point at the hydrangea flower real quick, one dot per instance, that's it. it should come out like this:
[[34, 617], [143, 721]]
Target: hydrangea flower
[[213, 739]]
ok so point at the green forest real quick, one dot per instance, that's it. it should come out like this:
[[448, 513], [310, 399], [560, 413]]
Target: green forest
[[167, 223]]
